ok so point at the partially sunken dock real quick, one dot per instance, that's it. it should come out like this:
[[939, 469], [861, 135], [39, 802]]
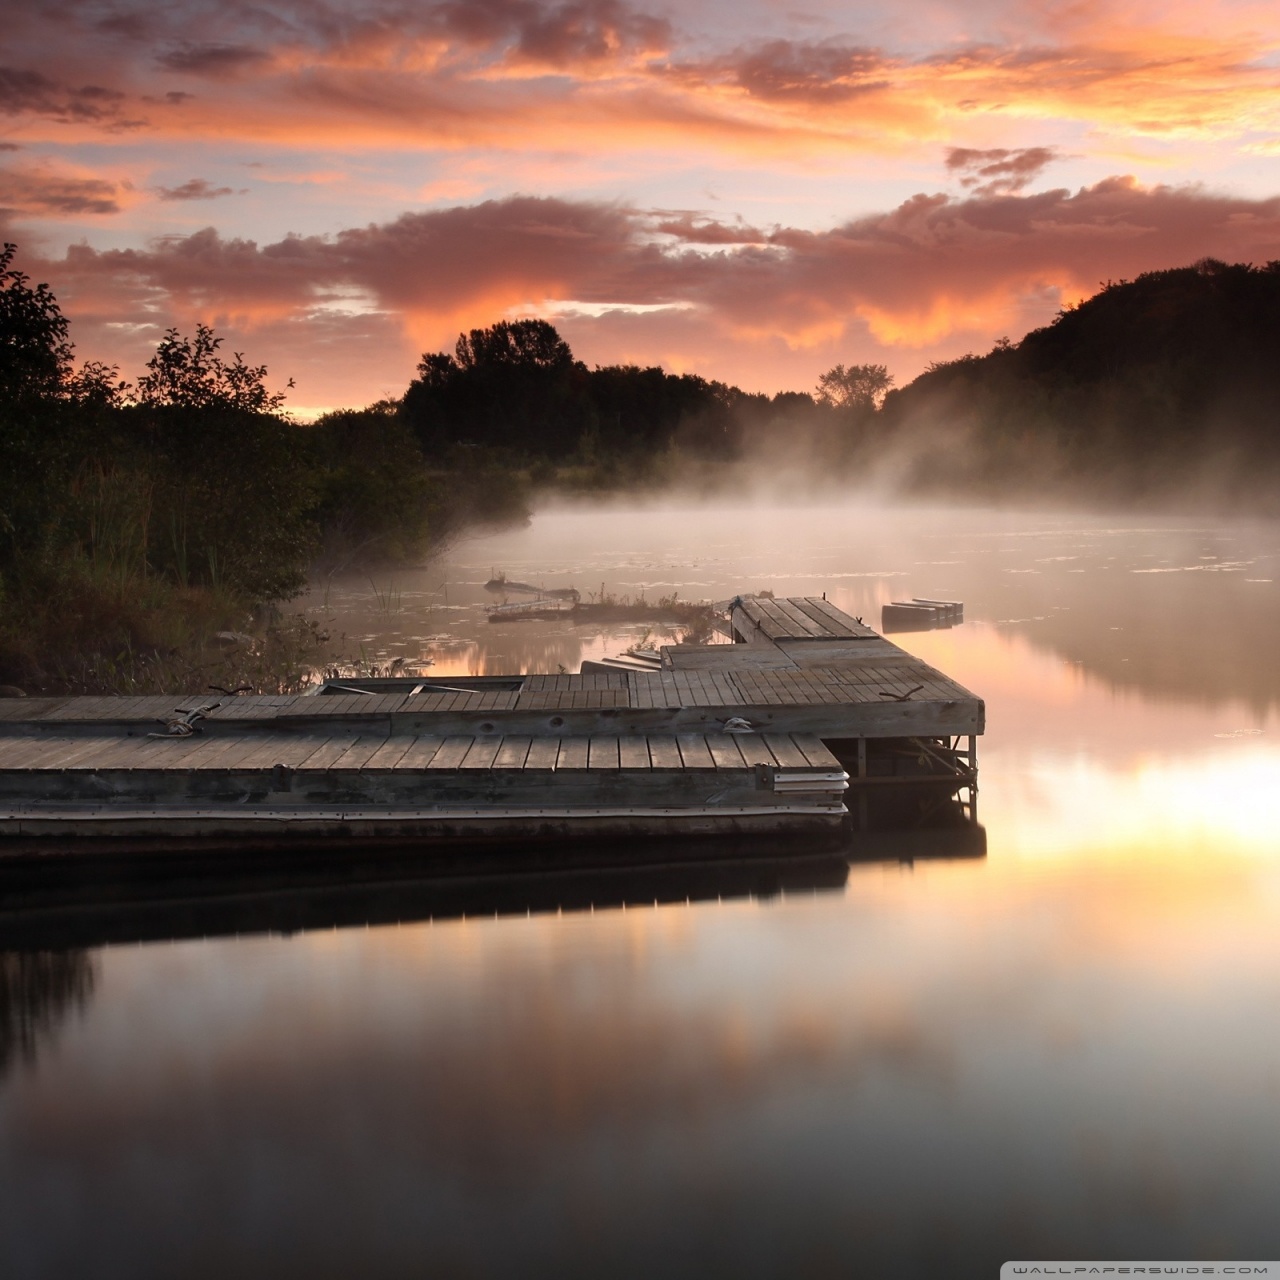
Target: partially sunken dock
[[773, 733]]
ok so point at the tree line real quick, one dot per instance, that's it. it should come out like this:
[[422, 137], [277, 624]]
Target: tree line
[[515, 391], [137, 517], [1164, 389]]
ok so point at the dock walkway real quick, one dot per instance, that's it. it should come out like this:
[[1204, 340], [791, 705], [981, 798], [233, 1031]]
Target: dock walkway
[[763, 734]]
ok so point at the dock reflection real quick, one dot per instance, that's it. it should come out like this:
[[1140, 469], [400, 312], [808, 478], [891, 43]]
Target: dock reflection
[[126, 902], [39, 990]]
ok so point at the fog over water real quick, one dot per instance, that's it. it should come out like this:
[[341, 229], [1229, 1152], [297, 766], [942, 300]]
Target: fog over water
[[1067, 1048]]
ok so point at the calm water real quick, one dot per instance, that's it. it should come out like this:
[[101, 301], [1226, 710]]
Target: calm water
[[1070, 1047]]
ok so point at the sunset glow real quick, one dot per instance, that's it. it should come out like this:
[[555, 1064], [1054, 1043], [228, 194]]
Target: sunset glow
[[738, 191]]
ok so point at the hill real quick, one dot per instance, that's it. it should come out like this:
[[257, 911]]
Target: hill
[[1160, 386]]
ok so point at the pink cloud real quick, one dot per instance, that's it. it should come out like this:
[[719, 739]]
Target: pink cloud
[[999, 170], [41, 190], [522, 72], [919, 280]]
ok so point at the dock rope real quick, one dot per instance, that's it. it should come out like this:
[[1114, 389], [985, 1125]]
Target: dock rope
[[900, 697], [184, 722]]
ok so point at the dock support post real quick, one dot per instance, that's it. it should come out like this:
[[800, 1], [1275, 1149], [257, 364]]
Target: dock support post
[[973, 777], [862, 790]]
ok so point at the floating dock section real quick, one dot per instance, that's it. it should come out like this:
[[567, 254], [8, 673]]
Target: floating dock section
[[920, 615], [800, 722]]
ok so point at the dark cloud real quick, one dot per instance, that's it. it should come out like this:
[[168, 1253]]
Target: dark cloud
[[931, 272], [783, 70], [34, 192], [999, 171], [25, 91], [133, 25], [590, 32], [32, 92], [212, 60], [549, 247], [790, 72], [194, 189], [696, 228], [533, 249], [557, 34]]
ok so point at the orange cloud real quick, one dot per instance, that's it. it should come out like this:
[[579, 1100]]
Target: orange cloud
[[932, 271], [605, 74], [51, 191]]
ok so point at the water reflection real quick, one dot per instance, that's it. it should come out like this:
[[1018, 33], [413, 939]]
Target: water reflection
[[1172, 608], [39, 991], [205, 898], [917, 1069]]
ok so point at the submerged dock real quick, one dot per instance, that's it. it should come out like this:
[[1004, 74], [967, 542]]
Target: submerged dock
[[808, 717]]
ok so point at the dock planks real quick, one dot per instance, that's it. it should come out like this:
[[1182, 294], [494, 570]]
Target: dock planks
[[716, 731]]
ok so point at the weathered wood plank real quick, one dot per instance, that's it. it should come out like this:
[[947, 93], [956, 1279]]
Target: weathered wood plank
[[801, 622], [326, 749], [54, 753], [542, 753], [496, 700], [724, 751], [16, 709], [274, 749], [180, 753], [85, 708], [664, 753], [785, 751], [726, 693], [754, 749], [693, 751], [814, 752], [512, 753], [359, 751], [603, 753], [482, 754], [247, 706], [775, 624], [839, 621], [573, 753], [827, 628], [719, 658], [422, 750], [329, 705], [453, 751], [633, 753], [388, 755], [18, 751]]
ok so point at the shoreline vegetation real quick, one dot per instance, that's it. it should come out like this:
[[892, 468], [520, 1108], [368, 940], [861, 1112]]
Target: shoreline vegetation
[[152, 533]]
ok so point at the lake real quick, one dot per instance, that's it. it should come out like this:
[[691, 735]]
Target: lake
[[1067, 1047]]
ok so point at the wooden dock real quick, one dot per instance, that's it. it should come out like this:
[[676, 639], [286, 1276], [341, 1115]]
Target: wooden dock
[[764, 735]]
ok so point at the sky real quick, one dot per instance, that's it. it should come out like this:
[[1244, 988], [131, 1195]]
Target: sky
[[749, 191]]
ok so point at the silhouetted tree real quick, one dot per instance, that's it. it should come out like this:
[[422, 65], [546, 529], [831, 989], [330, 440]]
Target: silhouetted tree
[[529, 343], [860, 386], [188, 373], [35, 352]]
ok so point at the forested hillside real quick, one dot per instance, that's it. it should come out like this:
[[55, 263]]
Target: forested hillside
[[1162, 386]]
